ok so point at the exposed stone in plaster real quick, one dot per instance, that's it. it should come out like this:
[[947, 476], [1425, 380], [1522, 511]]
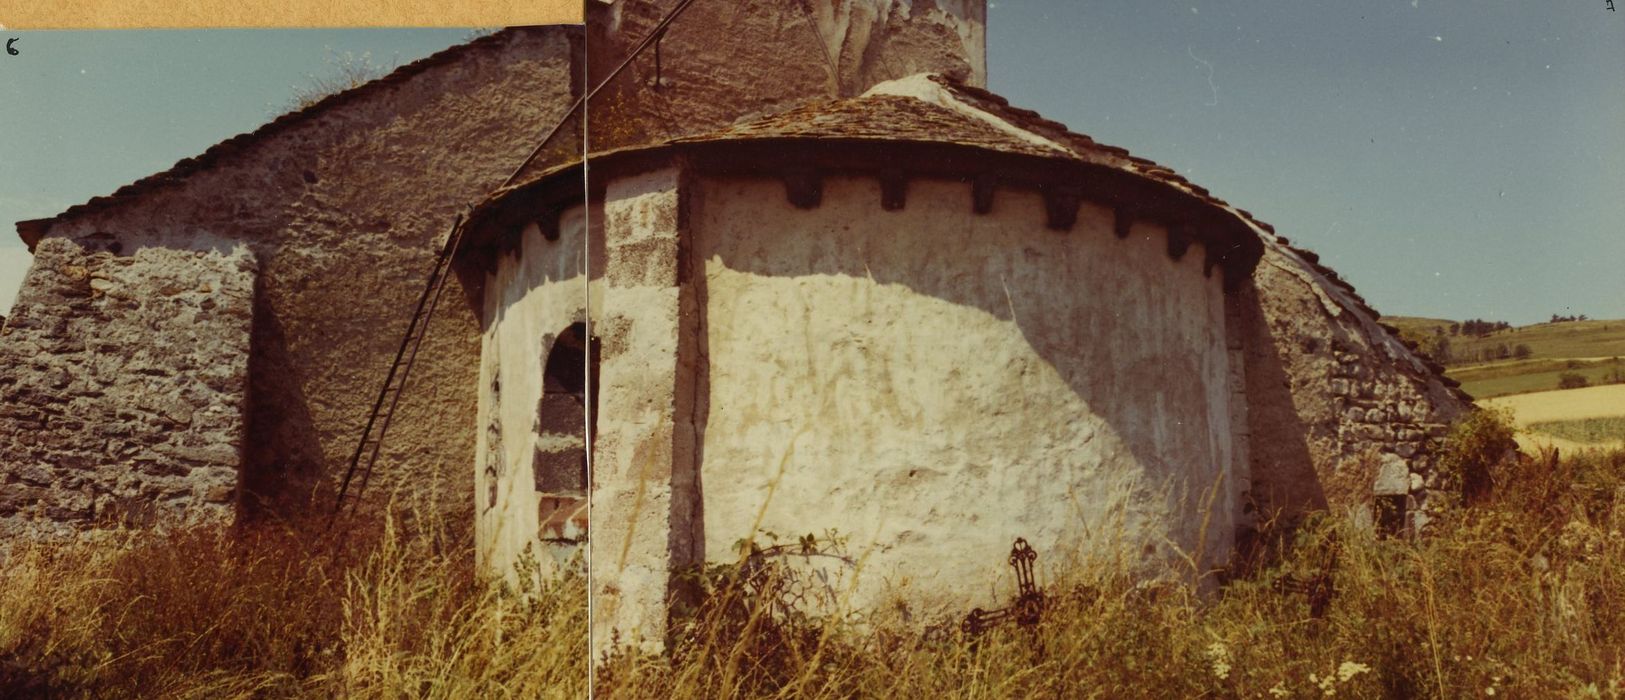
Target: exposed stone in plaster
[[644, 459], [123, 384], [532, 293]]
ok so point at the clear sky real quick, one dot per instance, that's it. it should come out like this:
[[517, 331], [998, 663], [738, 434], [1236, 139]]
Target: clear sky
[[82, 113], [1457, 160], [1450, 159]]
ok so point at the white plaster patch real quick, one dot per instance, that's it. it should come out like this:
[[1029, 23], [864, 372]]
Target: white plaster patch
[[921, 87], [533, 294], [935, 384]]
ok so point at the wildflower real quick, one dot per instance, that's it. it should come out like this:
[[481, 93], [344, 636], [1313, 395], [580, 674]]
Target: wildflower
[[1219, 657], [1328, 685], [1350, 669], [1490, 690]]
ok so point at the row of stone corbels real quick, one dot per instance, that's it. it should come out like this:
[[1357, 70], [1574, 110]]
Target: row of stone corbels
[[803, 188]]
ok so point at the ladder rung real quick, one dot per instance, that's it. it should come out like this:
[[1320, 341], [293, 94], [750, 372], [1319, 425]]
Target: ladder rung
[[388, 398]]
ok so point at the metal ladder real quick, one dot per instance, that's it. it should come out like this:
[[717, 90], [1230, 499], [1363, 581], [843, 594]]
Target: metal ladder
[[389, 397], [366, 451]]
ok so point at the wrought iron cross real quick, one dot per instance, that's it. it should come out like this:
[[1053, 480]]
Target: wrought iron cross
[[1028, 607]]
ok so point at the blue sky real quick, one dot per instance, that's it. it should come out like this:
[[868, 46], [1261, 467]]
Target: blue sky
[[1458, 159], [1450, 159], [82, 113]]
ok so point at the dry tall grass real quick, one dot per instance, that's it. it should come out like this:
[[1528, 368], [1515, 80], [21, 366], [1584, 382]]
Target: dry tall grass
[[1520, 595], [267, 612]]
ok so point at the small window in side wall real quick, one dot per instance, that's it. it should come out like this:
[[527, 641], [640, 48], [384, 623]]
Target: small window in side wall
[[560, 463], [1390, 514]]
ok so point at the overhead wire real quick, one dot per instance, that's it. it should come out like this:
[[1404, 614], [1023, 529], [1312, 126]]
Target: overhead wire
[[437, 279], [653, 36]]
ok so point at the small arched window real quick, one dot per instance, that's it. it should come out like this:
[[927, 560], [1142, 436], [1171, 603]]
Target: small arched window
[[562, 432]]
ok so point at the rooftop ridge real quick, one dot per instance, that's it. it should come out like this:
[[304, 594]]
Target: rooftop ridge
[[32, 229]]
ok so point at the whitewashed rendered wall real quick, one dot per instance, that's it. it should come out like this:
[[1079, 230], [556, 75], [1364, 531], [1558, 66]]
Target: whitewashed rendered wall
[[933, 384], [643, 458], [534, 292]]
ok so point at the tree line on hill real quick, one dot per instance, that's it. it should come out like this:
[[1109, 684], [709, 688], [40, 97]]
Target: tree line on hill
[[1438, 348], [1476, 327]]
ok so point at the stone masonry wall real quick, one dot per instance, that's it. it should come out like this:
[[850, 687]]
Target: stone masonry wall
[[722, 61], [123, 384], [345, 205], [1340, 410]]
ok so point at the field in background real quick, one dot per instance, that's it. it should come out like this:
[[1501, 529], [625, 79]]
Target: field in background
[[1569, 419], [1592, 349], [1587, 339], [1522, 377], [1585, 430]]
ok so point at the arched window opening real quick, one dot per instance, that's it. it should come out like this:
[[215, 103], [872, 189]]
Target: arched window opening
[[562, 433]]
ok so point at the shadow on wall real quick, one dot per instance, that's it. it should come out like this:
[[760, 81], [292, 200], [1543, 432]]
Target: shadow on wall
[[1139, 380], [282, 461], [1284, 483]]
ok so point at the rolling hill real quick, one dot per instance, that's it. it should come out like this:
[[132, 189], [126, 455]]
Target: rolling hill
[[1524, 369], [1493, 364]]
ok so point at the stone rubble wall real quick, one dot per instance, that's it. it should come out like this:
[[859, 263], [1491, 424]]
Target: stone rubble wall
[[345, 204], [123, 385], [1340, 410]]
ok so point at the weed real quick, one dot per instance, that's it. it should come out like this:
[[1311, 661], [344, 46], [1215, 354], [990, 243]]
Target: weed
[[262, 611]]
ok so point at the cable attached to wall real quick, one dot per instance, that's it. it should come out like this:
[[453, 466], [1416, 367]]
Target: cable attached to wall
[[587, 386], [366, 454], [648, 40], [823, 46]]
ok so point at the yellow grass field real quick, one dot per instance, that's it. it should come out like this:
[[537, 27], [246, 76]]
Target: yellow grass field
[[1567, 405]]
